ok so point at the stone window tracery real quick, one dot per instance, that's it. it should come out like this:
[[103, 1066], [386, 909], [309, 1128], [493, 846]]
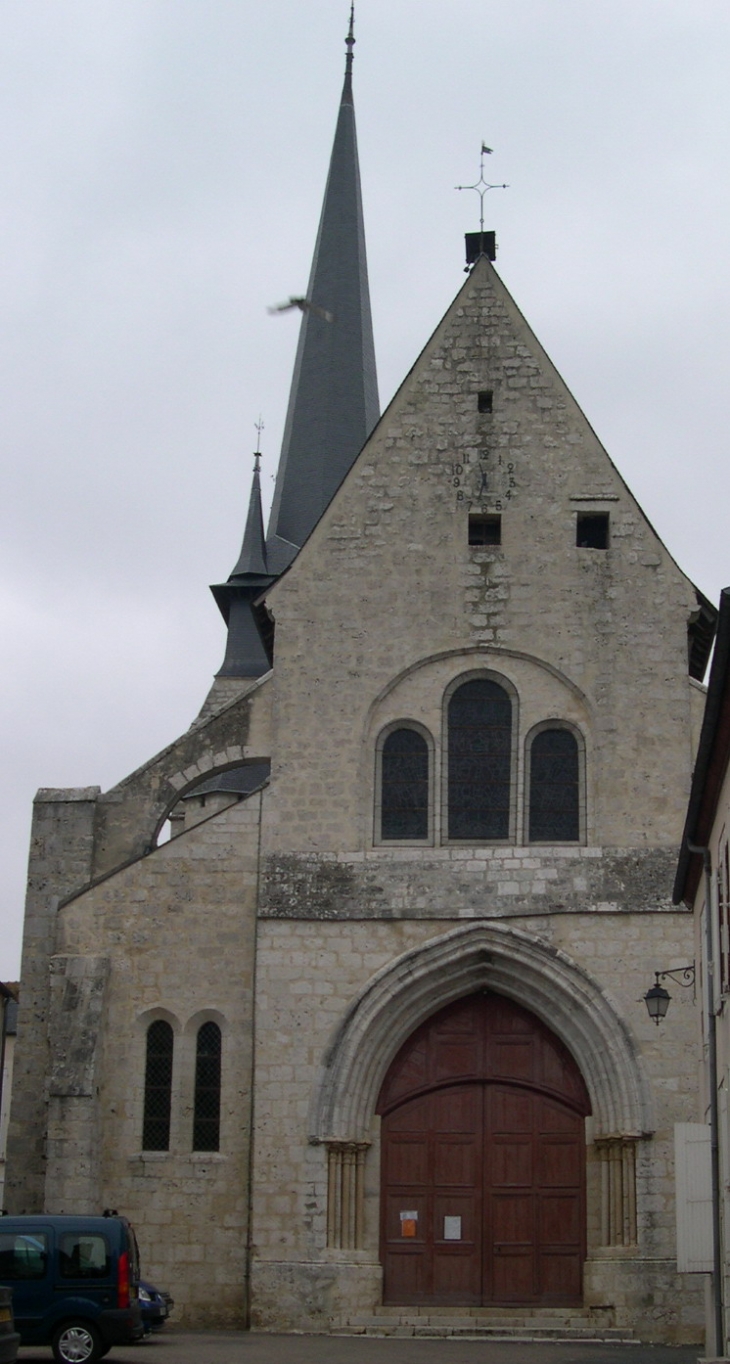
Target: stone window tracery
[[485, 774]]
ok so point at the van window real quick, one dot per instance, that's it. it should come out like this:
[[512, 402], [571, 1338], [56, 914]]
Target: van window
[[23, 1257], [83, 1257]]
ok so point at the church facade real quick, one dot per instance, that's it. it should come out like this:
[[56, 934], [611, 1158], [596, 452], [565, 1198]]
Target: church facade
[[365, 1039]]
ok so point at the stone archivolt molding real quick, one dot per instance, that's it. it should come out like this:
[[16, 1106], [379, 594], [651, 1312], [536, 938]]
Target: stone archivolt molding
[[480, 956]]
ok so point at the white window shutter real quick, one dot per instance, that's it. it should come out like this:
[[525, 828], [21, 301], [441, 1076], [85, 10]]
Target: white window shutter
[[694, 1197]]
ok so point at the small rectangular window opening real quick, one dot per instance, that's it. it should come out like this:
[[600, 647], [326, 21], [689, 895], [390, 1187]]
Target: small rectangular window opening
[[484, 400], [485, 530], [592, 530]]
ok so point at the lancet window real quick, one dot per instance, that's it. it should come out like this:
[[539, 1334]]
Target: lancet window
[[479, 779], [158, 1087], [207, 1101], [478, 772], [404, 785], [554, 787]]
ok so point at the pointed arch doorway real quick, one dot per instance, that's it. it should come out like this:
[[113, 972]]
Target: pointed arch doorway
[[483, 1161]]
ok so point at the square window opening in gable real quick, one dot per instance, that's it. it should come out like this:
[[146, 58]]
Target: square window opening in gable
[[484, 400], [592, 530], [485, 529]]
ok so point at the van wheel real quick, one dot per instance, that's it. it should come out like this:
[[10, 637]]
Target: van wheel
[[77, 1342]]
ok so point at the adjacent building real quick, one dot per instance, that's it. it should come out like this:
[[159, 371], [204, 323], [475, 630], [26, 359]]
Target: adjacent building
[[8, 1031], [703, 884]]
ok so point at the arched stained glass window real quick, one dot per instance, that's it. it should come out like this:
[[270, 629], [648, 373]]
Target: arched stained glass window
[[480, 752], [157, 1087], [207, 1109], [554, 787], [404, 786]]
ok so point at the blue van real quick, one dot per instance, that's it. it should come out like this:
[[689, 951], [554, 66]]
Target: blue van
[[74, 1282]]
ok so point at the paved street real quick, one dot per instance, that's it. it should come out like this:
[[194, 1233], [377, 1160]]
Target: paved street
[[234, 1347]]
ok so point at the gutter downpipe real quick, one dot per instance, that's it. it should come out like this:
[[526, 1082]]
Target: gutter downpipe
[[706, 856], [6, 996]]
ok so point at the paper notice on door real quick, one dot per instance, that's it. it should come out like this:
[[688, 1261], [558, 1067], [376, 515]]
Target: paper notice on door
[[452, 1228], [408, 1223]]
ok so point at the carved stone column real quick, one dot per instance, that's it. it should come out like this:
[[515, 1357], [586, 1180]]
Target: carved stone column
[[617, 1156], [345, 1194]]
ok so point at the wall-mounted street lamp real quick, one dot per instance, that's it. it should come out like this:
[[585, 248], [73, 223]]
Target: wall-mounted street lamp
[[657, 998]]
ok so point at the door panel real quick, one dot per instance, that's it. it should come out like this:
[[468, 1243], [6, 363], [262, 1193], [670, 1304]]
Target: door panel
[[510, 1160], [510, 1110], [483, 1194], [408, 1159], [455, 1161], [556, 1162]]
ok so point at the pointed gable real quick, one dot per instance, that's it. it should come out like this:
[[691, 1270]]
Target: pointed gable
[[485, 427], [484, 430]]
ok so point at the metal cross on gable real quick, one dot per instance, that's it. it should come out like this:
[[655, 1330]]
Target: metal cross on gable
[[482, 185]]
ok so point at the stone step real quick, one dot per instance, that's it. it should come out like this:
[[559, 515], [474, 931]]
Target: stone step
[[471, 1330], [443, 1313], [490, 1322]]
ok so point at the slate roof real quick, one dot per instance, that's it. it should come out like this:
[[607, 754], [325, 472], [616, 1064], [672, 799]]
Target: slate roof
[[247, 653], [333, 403]]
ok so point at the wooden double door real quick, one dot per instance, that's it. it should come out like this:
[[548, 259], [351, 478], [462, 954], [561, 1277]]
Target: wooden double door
[[483, 1162]]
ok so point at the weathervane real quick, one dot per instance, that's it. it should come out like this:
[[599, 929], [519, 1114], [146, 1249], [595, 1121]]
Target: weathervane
[[257, 452], [482, 185]]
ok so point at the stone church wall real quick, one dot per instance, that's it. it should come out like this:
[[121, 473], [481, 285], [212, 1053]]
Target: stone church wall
[[176, 933], [595, 639], [409, 605], [308, 975], [61, 851]]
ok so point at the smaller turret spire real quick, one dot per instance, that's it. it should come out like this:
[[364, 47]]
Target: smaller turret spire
[[246, 653], [252, 558]]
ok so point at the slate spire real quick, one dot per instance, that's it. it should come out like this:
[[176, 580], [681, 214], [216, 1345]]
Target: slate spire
[[252, 558], [333, 404], [246, 653]]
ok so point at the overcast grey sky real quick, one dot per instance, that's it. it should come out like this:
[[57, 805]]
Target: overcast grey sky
[[162, 164]]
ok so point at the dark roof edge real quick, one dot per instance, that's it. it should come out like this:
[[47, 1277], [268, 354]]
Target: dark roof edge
[[710, 767]]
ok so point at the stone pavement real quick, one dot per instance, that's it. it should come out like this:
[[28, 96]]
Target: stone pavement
[[238, 1347]]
